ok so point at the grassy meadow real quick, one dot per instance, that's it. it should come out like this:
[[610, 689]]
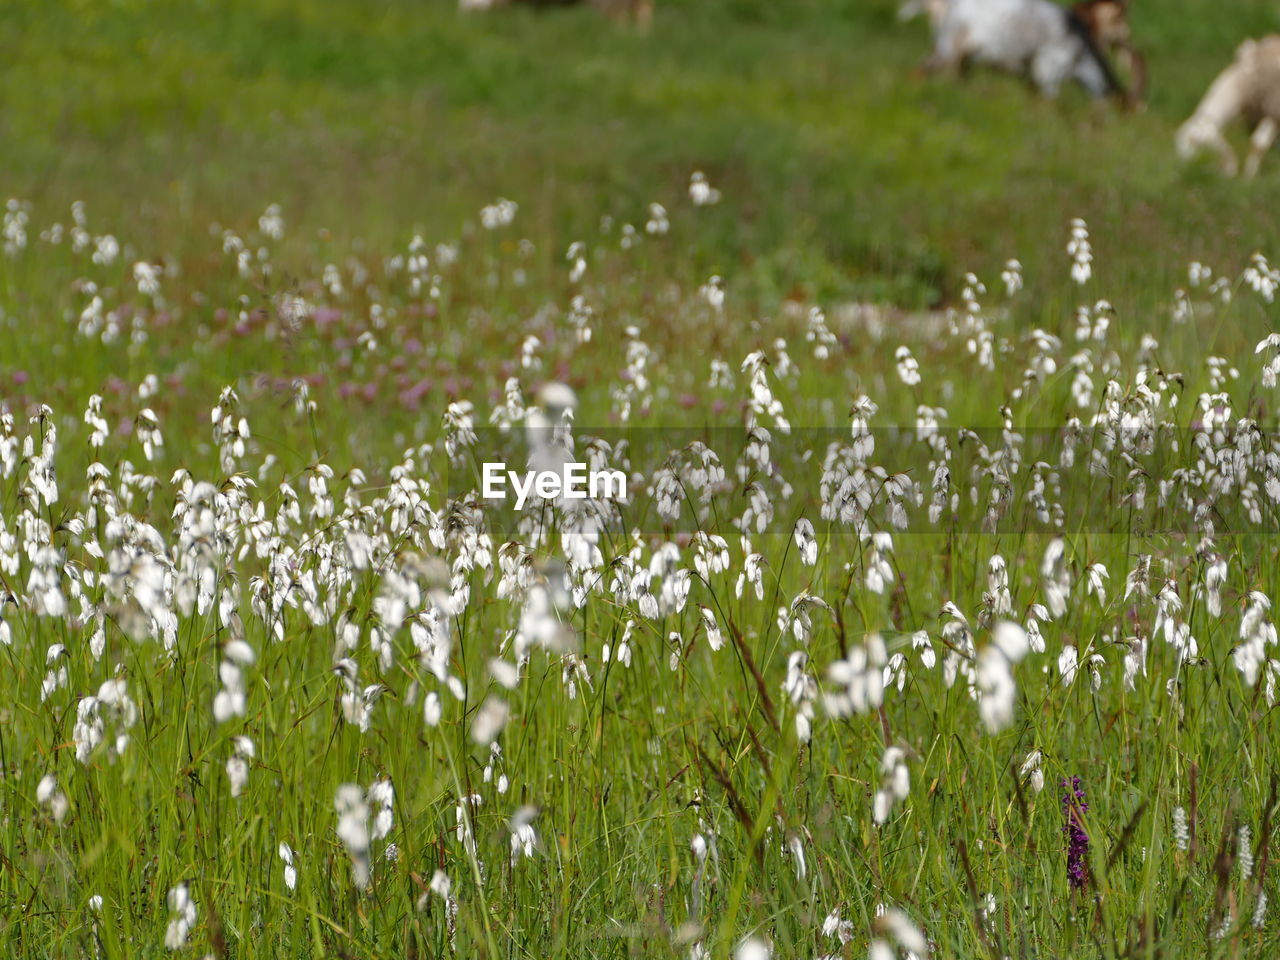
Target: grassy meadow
[[277, 277]]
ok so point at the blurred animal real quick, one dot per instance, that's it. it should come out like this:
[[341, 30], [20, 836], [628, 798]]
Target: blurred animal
[[1249, 90], [639, 12], [1048, 41], [1108, 23]]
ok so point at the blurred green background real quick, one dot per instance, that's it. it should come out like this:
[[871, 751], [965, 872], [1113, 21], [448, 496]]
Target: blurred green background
[[844, 171]]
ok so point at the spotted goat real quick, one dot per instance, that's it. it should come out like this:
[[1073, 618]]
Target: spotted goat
[[1050, 43]]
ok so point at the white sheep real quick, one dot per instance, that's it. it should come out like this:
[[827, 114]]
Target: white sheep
[[1248, 89]]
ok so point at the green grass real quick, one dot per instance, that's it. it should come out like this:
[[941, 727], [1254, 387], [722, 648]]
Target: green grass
[[846, 179], [844, 173]]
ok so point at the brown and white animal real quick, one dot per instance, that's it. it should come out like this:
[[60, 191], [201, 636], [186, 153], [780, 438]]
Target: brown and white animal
[[639, 12], [1248, 90], [1050, 42], [1038, 38], [1108, 23]]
